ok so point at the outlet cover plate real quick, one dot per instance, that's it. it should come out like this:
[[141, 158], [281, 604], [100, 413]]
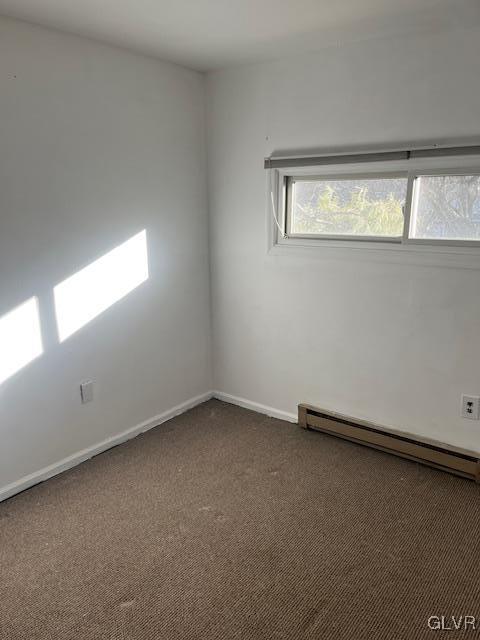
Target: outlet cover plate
[[86, 391], [471, 407]]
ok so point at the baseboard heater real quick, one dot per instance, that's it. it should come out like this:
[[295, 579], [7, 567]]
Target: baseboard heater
[[434, 454]]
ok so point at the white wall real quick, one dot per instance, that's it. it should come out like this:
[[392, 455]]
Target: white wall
[[360, 332], [97, 144]]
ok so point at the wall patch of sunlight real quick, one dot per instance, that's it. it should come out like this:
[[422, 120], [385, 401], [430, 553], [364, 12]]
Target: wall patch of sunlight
[[92, 290], [20, 338]]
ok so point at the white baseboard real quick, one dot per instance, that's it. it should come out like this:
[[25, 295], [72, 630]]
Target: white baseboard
[[80, 456], [85, 454], [255, 406]]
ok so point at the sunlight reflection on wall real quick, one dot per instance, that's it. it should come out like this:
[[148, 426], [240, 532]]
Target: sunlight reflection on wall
[[20, 338], [89, 292]]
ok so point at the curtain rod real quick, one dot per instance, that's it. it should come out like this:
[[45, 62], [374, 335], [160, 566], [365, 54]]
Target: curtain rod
[[373, 156]]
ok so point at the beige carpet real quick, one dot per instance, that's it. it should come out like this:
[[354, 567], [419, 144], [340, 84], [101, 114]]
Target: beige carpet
[[226, 524]]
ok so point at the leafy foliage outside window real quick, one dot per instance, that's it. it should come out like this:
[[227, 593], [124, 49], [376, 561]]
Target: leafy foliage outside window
[[372, 207], [448, 207]]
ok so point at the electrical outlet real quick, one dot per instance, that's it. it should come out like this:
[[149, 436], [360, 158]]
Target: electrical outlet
[[471, 407], [86, 391]]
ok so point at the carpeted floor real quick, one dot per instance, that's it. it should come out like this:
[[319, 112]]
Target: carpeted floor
[[226, 524]]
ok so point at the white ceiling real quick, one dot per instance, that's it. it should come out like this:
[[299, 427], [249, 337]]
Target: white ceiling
[[209, 34]]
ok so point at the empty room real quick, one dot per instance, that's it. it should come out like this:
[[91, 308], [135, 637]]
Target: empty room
[[239, 319]]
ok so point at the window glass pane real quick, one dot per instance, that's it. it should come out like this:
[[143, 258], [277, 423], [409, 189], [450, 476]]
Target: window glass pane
[[357, 207], [446, 208]]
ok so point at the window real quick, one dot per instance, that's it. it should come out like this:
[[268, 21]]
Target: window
[[446, 207], [425, 196], [370, 207]]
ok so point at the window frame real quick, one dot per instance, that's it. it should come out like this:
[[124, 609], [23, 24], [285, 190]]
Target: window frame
[[279, 199], [291, 180], [459, 171]]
